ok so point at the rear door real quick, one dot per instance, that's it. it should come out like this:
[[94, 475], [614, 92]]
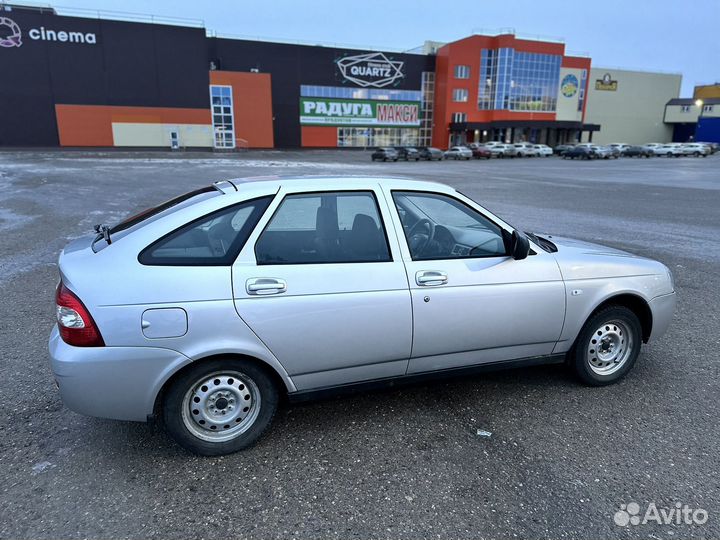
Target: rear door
[[322, 283]]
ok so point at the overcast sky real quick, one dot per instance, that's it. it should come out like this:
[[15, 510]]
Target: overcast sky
[[678, 36]]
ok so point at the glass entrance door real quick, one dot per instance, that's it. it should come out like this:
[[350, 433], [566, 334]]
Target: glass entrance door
[[221, 102]]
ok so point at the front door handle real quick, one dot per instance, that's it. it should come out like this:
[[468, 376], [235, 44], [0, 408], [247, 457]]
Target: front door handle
[[431, 278], [264, 286]]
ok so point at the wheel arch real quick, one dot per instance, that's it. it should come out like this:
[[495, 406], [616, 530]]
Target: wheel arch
[[284, 385], [635, 303]]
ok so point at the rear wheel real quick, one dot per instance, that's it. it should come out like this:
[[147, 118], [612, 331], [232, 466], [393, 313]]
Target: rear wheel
[[220, 406], [607, 347]]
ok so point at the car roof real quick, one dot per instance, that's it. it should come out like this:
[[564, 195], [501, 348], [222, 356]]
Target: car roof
[[259, 185]]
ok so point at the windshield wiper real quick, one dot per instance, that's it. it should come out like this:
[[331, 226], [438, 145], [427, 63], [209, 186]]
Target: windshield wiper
[[103, 232]]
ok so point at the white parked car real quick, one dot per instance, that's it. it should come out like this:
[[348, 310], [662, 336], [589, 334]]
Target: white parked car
[[543, 150], [620, 147], [503, 150], [525, 150], [208, 309], [695, 149], [458, 152], [668, 150]]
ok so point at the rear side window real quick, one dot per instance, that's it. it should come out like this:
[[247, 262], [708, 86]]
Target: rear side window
[[213, 240], [316, 228]]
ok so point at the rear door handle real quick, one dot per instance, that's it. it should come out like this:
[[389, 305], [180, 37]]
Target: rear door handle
[[431, 278], [265, 286]]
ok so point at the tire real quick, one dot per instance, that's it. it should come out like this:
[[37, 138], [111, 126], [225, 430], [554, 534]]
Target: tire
[[622, 334], [186, 406]]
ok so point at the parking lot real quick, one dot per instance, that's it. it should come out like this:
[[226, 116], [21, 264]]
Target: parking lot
[[560, 460]]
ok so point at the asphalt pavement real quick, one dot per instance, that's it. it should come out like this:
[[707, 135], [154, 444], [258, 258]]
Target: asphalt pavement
[[526, 453]]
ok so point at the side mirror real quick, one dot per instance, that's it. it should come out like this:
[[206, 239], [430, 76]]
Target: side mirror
[[519, 247]]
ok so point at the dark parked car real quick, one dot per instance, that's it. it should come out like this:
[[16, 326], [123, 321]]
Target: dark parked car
[[560, 149], [579, 152], [430, 153], [481, 152], [407, 153], [385, 154], [637, 151]]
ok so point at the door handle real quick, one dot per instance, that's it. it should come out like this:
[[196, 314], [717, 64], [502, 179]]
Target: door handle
[[431, 278], [263, 286]]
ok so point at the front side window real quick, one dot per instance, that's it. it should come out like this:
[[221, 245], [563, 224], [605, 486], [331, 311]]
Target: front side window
[[317, 228], [213, 240], [441, 227]]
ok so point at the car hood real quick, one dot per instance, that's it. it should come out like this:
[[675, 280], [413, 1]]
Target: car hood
[[586, 260]]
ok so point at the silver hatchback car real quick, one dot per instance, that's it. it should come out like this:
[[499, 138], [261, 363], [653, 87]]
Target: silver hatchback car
[[204, 311]]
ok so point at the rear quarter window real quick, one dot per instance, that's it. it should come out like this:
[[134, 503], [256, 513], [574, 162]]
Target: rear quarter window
[[212, 240]]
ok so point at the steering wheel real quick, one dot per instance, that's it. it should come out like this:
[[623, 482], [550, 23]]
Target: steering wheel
[[418, 239]]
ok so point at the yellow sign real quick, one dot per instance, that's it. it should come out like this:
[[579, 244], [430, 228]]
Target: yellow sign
[[606, 83]]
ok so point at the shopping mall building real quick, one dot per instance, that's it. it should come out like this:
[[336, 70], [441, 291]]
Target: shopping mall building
[[97, 82]]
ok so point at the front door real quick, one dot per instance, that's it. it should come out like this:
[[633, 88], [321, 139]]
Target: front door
[[324, 289], [472, 303]]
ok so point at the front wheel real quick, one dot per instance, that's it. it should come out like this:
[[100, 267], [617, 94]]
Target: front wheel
[[607, 347], [220, 406]]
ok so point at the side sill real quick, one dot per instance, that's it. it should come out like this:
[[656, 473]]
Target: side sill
[[416, 378]]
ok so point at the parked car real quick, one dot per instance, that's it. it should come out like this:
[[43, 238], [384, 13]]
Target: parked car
[[560, 149], [385, 154], [604, 152], [216, 305], [458, 152], [503, 150], [714, 147], [579, 152], [651, 147], [525, 150], [668, 150], [619, 146], [430, 153], [695, 149], [543, 150], [407, 153], [481, 152], [638, 151]]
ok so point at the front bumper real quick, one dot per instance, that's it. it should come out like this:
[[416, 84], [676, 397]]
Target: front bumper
[[111, 382], [662, 308]]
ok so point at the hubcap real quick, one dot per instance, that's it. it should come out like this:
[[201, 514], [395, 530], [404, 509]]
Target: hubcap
[[221, 406], [610, 346]]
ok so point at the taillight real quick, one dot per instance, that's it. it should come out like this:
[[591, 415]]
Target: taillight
[[76, 325]]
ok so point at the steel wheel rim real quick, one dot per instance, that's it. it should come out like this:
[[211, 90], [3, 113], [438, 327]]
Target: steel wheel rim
[[609, 348], [220, 406]]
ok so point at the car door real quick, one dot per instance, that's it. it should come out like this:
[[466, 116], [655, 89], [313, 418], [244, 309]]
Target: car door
[[322, 283], [472, 303]]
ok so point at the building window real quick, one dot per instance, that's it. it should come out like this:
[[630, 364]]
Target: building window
[[365, 137], [460, 94], [708, 108], [685, 108], [459, 117], [426, 107], [344, 92], [462, 72], [221, 101], [518, 81]]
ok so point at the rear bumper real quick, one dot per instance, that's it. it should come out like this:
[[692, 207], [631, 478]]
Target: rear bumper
[[662, 308], [111, 382]]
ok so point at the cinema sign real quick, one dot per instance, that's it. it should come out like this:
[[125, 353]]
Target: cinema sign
[[12, 36], [356, 112]]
